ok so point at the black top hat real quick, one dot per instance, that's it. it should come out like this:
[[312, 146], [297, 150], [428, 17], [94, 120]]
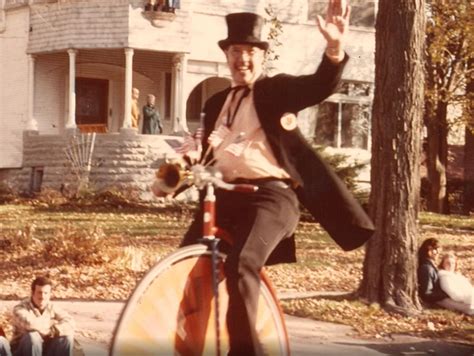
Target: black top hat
[[244, 28]]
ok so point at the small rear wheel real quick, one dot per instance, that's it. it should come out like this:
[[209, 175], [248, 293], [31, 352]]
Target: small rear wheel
[[171, 311]]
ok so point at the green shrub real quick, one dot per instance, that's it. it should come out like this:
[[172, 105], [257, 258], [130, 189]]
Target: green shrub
[[346, 170]]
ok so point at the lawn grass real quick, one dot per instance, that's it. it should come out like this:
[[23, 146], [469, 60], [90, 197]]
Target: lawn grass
[[457, 222], [132, 222], [104, 250]]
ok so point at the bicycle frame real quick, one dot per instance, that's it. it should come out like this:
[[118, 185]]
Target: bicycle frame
[[209, 238], [209, 213]]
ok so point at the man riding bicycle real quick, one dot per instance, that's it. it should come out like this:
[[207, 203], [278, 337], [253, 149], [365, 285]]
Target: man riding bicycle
[[252, 130]]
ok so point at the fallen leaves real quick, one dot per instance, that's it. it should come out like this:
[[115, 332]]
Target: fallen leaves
[[371, 321], [100, 252]]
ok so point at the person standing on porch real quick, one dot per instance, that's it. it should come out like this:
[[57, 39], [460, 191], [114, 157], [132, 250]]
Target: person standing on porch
[[151, 117], [135, 108]]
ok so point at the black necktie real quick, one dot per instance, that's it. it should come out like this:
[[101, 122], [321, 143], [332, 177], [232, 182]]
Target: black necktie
[[231, 116]]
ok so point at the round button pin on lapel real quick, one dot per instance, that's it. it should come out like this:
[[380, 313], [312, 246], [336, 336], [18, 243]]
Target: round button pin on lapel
[[288, 121]]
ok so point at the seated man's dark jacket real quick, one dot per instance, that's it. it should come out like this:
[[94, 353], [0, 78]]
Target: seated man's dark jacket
[[318, 187], [428, 283]]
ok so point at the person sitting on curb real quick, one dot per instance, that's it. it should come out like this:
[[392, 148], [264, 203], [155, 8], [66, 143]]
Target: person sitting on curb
[[456, 286], [4, 344], [39, 326]]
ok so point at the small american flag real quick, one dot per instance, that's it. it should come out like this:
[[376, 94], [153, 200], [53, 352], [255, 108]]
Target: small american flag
[[186, 146], [191, 142], [218, 135], [238, 145]]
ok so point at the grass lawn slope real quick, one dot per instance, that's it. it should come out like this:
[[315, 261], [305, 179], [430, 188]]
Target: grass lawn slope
[[98, 251]]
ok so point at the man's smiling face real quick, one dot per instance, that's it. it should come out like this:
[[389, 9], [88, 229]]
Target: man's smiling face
[[245, 63]]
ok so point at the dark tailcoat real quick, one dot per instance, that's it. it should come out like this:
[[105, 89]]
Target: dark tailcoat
[[319, 189]]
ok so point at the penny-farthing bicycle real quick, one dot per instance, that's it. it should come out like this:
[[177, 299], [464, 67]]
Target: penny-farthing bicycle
[[179, 307]]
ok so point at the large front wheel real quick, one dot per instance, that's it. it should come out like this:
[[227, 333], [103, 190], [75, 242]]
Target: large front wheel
[[171, 311]]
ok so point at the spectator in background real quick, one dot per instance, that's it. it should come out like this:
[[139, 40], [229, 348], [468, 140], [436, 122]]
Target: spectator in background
[[429, 289], [151, 117], [135, 108], [456, 286], [4, 344], [171, 5], [39, 326], [166, 5]]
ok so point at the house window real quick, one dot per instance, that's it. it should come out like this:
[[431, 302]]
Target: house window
[[344, 120], [326, 124], [362, 12], [355, 125], [36, 179]]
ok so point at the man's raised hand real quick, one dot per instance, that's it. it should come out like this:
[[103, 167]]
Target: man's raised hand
[[334, 26]]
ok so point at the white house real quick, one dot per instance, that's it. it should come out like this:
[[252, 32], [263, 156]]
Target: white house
[[68, 66]]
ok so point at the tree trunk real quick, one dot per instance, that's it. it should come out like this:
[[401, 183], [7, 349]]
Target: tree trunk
[[469, 153], [469, 171], [389, 275], [437, 159]]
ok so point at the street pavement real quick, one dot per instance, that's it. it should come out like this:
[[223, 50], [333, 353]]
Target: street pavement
[[95, 322]]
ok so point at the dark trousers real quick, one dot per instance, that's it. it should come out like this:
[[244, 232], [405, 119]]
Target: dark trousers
[[257, 222], [32, 343]]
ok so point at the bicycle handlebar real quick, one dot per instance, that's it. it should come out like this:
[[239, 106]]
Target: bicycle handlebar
[[172, 176], [245, 188], [202, 175]]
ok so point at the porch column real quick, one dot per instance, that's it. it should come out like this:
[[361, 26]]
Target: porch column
[[183, 91], [127, 120], [71, 120], [32, 124], [178, 108], [3, 22]]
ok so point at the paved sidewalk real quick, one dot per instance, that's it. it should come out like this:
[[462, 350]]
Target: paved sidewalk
[[96, 321]]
